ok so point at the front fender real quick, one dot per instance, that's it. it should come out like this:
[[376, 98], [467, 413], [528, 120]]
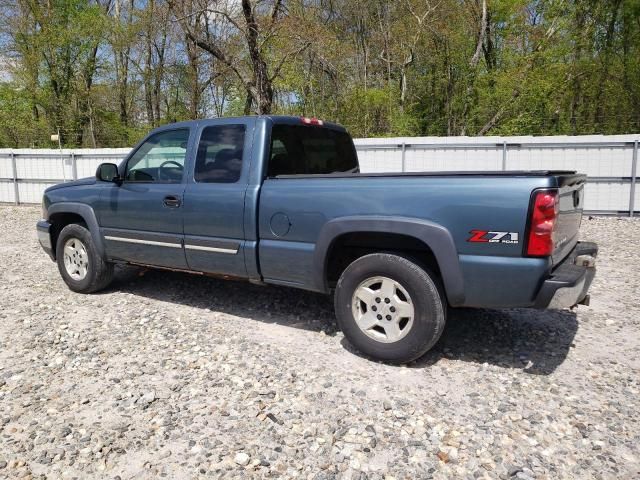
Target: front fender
[[89, 217], [433, 235]]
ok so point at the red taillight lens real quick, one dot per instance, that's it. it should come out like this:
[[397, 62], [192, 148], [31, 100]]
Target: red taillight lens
[[543, 222]]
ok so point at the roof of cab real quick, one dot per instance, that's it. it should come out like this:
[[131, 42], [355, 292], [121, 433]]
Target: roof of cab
[[276, 119], [292, 120]]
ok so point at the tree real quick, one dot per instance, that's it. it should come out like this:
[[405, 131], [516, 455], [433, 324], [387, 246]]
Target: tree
[[104, 71], [216, 26]]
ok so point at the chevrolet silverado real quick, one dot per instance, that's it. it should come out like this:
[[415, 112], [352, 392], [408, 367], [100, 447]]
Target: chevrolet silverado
[[280, 200]]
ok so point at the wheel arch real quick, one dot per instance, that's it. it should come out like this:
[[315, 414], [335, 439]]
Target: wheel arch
[[433, 240], [64, 213]]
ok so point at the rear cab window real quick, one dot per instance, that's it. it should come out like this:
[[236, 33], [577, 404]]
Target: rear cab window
[[310, 150]]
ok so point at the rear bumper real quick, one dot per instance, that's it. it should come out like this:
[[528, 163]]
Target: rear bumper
[[43, 229], [570, 281]]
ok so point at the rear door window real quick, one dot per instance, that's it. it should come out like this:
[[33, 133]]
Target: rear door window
[[306, 150], [220, 151]]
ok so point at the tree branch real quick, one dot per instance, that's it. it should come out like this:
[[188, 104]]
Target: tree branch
[[276, 11], [207, 46], [285, 57]]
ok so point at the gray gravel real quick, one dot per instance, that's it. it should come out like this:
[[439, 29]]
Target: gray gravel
[[178, 376]]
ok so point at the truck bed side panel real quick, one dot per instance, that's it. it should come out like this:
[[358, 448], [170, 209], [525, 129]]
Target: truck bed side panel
[[501, 282], [460, 204]]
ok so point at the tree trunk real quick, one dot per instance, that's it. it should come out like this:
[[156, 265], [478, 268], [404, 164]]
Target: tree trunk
[[600, 107], [86, 111], [194, 82], [473, 66], [121, 64], [148, 95], [576, 99], [263, 88], [248, 103]]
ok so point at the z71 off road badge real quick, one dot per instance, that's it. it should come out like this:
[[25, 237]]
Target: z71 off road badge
[[485, 236]]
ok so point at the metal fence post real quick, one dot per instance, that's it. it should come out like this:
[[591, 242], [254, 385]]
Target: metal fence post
[[404, 149], [14, 173], [634, 168], [74, 166], [504, 155]]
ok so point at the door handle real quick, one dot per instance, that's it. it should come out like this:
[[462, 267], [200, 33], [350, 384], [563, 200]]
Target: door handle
[[171, 201]]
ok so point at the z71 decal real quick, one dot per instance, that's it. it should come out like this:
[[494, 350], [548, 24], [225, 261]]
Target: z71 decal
[[485, 236]]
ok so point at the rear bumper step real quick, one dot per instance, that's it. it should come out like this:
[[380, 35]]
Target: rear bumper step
[[570, 281]]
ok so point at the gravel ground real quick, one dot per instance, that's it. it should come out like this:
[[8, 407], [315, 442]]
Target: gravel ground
[[178, 376]]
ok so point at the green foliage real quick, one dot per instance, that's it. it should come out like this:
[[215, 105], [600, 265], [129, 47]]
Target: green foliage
[[375, 112], [17, 122], [104, 75]]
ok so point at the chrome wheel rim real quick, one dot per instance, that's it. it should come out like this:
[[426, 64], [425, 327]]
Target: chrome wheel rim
[[383, 309], [76, 259]]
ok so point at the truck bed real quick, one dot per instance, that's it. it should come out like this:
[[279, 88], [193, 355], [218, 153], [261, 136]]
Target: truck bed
[[462, 202]]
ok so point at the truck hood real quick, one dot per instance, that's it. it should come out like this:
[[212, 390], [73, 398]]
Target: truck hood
[[81, 181]]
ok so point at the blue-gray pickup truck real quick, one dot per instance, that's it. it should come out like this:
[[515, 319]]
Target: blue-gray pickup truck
[[280, 200]]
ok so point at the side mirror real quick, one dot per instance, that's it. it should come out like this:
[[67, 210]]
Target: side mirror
[[108, 172]]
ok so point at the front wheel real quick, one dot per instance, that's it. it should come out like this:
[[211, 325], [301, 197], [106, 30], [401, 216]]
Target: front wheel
[[390, 308], [80, 265]]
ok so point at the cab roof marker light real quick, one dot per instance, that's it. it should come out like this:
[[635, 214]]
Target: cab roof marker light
[[311, 121]]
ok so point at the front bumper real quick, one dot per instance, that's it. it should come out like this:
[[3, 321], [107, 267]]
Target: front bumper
[[43, 229], [570, 281]]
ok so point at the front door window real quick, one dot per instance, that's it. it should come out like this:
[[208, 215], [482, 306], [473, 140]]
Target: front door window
[[160, 159]]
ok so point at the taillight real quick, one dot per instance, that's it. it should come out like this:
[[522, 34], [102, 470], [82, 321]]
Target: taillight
[[542, 224], [311, 121]]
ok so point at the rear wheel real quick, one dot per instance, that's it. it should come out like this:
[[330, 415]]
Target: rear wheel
[[79, 264], [389, 307]]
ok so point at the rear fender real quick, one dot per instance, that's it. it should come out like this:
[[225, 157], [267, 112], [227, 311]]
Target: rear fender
[[433, 235]]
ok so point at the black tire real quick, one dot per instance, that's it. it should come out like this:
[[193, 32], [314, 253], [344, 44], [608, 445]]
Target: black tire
[[426, 296], [99, 272]]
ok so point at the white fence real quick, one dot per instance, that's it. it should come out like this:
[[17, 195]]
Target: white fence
[[25, 173], [610, 161]]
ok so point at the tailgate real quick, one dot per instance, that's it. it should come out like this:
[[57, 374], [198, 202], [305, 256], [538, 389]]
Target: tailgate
[[571, 190]]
